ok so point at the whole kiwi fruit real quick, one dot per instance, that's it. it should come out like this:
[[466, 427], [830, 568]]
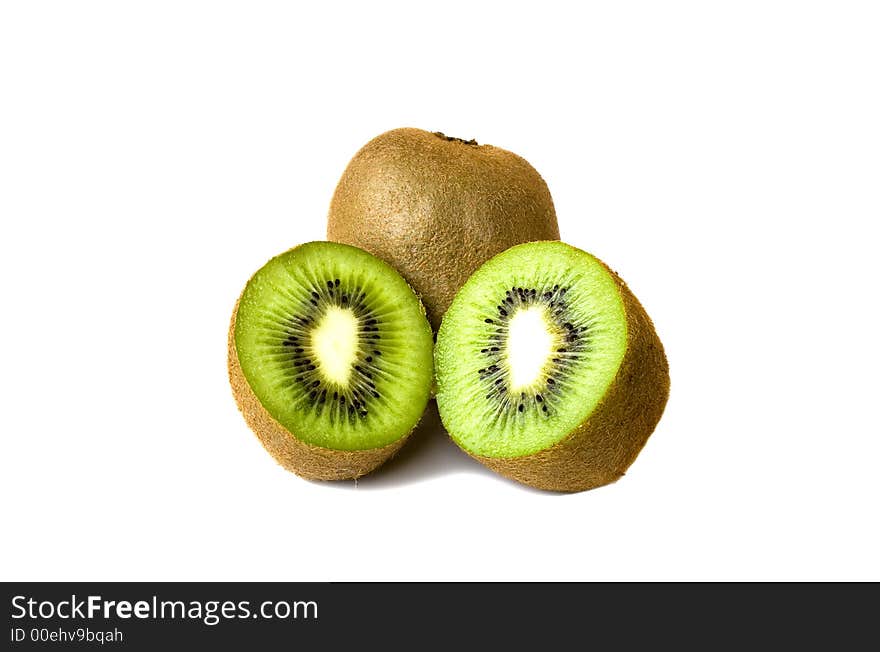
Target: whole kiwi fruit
[[437, 207]]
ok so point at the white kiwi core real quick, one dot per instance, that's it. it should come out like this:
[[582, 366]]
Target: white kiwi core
[[530, 343], [335, 342]]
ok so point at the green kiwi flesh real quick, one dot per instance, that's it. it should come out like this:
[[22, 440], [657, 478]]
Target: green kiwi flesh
[[330, 359], [437, 207], [549, 371]]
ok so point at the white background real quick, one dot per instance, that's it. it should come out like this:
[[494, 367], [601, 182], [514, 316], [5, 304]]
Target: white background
[[723, 157]]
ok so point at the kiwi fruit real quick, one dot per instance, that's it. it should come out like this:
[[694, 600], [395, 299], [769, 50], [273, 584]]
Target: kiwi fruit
[[549, 371], [330, 360], [437, 207]]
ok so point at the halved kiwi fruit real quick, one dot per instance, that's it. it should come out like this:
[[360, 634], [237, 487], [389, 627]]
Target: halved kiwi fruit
[[549, 371], [438, 207], [330, 360]]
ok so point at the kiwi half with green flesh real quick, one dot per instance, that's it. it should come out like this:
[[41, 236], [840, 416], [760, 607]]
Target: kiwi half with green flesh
[[549, 371], [437, 207], [330, 360]]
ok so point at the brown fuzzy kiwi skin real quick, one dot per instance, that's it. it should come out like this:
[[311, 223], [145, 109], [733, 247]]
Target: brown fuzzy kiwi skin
[[436, 208], [601, 449], [305, 460]]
